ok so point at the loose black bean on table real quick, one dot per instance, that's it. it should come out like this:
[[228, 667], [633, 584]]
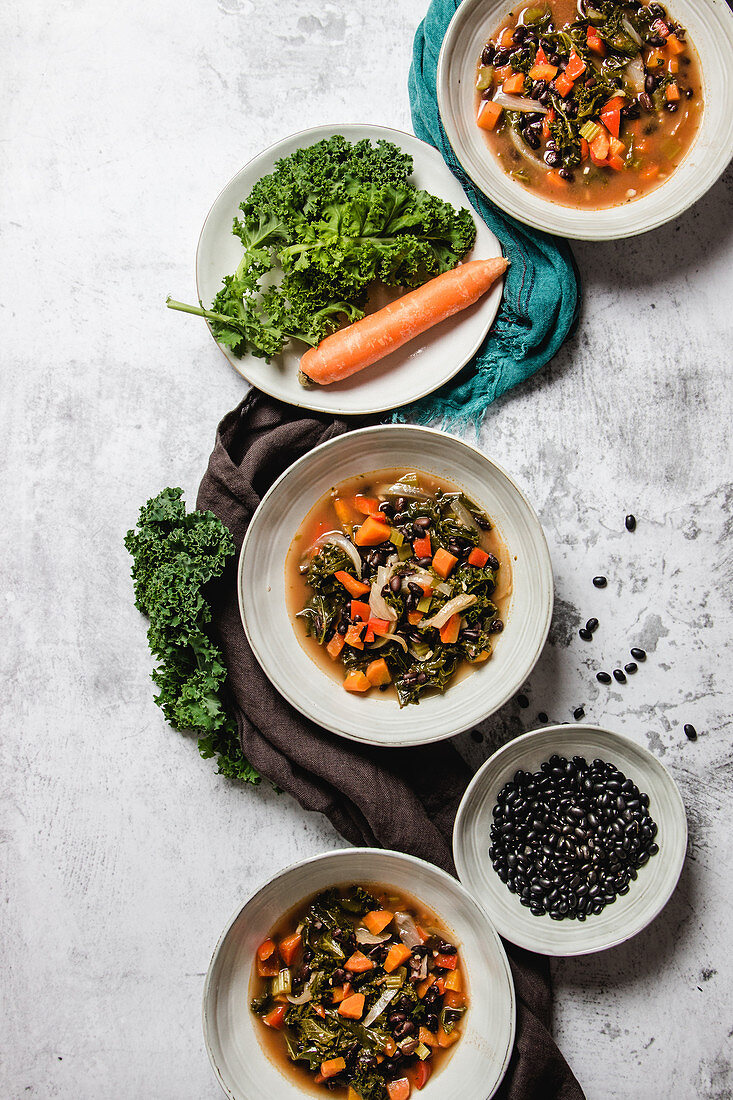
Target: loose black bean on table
[[569, 838]]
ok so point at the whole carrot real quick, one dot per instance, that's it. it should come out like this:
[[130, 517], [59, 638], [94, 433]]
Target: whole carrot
[[365, 342]]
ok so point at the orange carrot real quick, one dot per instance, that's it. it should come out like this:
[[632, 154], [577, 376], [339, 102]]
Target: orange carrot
[[377, 920], [266, 949], [352, 1007], [489, 114], [362, 609], [359, 963], [377, 672], [276, 1018], [674, 45], [335, 646], [477, 557], [356, 681], [379, 626], [444, 562], [421, 1074], [541, 70], [563, 84], [672, 93], [268, 968], [366, 341], [447, 1039], [514, 85], [422, 547], [368, 506], [449, 632], [397, 954], [371, 532], [453, 999], [332, 1066], [399, 1089], [354, 639], [289, 946], [454, 982], [353, 586], [575, 66]]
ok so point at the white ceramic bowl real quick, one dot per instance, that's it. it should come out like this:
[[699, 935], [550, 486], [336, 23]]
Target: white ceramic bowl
[[418, 368], [376, 718], [710, 27], [478, 1061], [628, 914]]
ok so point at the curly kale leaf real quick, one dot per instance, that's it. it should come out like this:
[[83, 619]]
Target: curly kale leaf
[[329, 221], [175, 556]]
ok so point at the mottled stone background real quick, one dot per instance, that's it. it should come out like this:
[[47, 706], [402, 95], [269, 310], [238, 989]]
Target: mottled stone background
[[124, 854]]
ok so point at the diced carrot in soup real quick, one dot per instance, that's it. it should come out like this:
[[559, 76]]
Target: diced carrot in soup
[[399, 1089], [356, 682], [514, 84], [377, 920], [353, 585], [371, 532], [289, 947], [489, 114]]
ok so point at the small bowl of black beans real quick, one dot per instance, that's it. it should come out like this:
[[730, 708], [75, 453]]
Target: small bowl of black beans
[[572, 837]]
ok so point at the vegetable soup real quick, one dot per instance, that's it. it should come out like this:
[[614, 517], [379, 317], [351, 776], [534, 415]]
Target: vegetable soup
[[591, 105], [398, 582], [360, 991]]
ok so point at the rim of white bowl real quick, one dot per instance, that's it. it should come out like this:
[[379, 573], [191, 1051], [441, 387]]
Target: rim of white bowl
[[702, 166], [317, 133], [453, 883], [464, 825], [525, 669]]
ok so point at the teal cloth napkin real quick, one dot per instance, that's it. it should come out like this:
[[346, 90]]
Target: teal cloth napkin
[[541, 300]]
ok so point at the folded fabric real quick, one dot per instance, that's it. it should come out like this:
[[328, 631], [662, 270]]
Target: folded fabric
[[405, 799], [541, 299]]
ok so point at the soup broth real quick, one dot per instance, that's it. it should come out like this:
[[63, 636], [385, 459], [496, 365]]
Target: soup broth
[[409, 607], [589, 105], [320, 937]]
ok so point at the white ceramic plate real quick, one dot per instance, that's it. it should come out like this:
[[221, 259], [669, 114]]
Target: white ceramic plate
[[628, 914], [478, 1061], [416, 369], [710, 27], [377, 719]]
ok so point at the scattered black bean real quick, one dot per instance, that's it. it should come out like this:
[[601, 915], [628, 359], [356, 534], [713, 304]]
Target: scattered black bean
[[603, 678], [671, 107], [592, 625], [690, 732], [600, 582], [647, 102], [496, 626], [424, 563], [630, 522], [579, 713], [566, 174], [487, 56], [585, 634], [520, 33], [523, 701], [638, 654], [630, 668], [619, 675]]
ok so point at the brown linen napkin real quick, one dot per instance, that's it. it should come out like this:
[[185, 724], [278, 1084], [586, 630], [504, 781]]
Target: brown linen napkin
[[404, 799]]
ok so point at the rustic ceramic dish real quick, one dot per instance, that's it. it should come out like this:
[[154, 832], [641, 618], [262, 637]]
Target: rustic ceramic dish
[[377, 719], [710, 27], [478, 1061], [628, 914]]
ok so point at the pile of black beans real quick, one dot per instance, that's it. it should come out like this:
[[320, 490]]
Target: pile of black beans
[[570, 838]]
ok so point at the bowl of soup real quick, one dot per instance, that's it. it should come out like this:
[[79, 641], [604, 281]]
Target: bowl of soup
[[361, 973], [591, 120], [395, 585]]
